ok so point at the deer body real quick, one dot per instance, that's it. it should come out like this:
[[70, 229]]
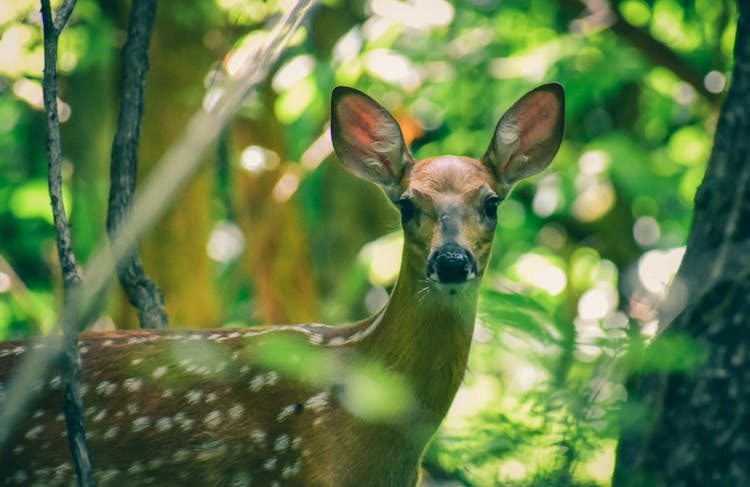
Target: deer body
[[342, 406]]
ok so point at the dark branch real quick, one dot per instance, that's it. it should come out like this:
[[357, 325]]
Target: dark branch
[[141, 291], [63, 14], [651, 48], [70, 359], [661, 55]]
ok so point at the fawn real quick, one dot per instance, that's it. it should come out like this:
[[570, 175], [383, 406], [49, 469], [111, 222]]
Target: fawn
[[332, 406]]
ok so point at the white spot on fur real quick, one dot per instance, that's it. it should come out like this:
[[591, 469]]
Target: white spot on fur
[[159, 372], [133, 408], [106, 388], [257, 383], [296, 442], [185, 423], [318, 402], [290, 471], [38, 413], [107, 343], [164, 424], [111, 433], [193, 396], [100, 416], [211, 397], [235, 412], [106, 476], [136, 361], [167, 393], [285, 413], [180, 455], [258, 436], [213, 419], [55, 382], [141, 423], [132, 384], [281, 443], [210, 450], [269, 464], [241, 479], [34, 432]]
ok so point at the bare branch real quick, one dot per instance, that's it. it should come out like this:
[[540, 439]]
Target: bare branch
[[63, 14], [141, 291], [70, 359]]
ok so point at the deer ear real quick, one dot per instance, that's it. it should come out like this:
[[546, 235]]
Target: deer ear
[[368, 140], [528, 135]]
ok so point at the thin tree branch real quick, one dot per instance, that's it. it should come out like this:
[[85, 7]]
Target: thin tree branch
[[63, 14], [70, 359], [141, 291]]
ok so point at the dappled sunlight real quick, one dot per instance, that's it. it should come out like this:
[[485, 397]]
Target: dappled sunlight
[[657, 267], [383, 258], [585, 253], [540, 272], [417, 14], [392, 67], [226, 242]]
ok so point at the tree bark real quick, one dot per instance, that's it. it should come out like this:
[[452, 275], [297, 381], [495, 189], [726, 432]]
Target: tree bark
[[141, 291], [697, 421], [70, 358]]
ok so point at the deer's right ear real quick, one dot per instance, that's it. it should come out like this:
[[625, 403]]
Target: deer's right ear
[[368, 140]]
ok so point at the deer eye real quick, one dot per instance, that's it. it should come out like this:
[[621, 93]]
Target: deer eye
[[490, 206], [407, 208]]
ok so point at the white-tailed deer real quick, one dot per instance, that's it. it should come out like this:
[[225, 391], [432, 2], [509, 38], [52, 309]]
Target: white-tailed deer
[[304, 405]]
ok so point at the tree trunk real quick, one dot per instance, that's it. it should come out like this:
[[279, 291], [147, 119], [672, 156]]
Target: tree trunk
[[693, 430]]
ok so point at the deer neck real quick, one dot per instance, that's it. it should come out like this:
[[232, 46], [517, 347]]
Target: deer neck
[[424, 334]]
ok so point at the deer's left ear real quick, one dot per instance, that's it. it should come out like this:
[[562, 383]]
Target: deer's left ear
[[368, 140], [528, 135]]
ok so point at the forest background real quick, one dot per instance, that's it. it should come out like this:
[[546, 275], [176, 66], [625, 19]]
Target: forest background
[[273, 230]]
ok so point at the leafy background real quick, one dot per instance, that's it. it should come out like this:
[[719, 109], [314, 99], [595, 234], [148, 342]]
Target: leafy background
[[273, 230]]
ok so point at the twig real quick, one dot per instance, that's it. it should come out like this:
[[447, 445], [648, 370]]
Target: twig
[[70, 359], [141, 291]]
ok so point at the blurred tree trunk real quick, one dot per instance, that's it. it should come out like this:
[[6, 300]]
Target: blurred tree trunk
[[88, 144], [694, 428], [277, 256], [174, 253]]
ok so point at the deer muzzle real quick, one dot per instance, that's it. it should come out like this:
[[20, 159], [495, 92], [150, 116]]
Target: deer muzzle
[[451, 264]]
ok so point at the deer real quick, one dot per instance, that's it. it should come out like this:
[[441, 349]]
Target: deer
[[304, 405]]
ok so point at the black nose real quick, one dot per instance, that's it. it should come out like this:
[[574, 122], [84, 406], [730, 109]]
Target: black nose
[[452, 264]]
